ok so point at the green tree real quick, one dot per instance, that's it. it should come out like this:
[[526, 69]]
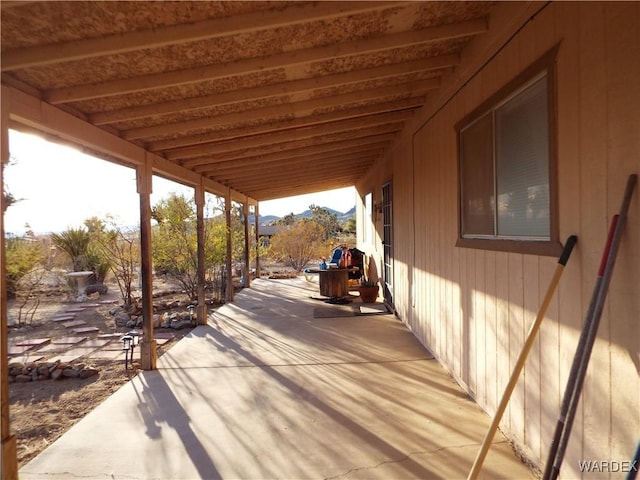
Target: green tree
[[327, 220], [22, 257], [175, 241], [298, 244], [122, 247], [350, 226], [287, 220]]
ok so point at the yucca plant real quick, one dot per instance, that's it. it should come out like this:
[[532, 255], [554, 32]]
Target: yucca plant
[[75, 243]]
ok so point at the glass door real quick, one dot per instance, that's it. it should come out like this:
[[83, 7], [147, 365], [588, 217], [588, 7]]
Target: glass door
[[387, 242]]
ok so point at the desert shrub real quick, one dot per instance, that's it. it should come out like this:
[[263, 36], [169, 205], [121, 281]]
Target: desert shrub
[[175, 243], [22, 256], [296, 245]]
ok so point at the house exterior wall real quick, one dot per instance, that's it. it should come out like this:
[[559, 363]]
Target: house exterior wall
[[472, 308]]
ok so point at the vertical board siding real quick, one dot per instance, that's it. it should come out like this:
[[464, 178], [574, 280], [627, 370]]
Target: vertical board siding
[[594, 162], [473, 308], [622, 31]]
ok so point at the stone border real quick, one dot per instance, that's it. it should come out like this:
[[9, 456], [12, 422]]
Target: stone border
[[32, 372]]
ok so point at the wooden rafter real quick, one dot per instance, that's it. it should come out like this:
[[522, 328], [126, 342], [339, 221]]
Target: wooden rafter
[[278, 61], [272, 138], [274, 90], [179, 34], [298, 109], [405, 105]]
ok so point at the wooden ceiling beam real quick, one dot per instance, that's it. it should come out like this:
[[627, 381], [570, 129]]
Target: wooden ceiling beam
[[273, 138], [262, 64], [42, 117], [267, 184], [346, 155], [298, 109], [241, 150], [283, 155], [319, 169], [291, 190], [284, 186], [274, 90], [407, 105], [178, 34], [336, 151]]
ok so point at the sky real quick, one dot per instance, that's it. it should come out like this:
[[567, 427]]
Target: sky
[[59, 187]]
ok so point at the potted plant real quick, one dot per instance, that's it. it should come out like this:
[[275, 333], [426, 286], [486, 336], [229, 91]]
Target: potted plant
[[368, 290]]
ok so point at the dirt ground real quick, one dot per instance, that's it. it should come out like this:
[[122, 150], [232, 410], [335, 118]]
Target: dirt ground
[[42, 411]]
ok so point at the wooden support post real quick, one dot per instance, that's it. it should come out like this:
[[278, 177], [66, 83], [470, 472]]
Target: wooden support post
[[8, 455], [256, 217], [227, 211], [148, 347], [247, 244], [202, 306]]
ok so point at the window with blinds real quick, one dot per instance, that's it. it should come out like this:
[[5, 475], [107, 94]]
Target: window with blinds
[[506, 169]]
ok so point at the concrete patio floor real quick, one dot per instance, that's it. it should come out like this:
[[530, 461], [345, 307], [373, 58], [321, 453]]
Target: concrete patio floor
[[267, 391]]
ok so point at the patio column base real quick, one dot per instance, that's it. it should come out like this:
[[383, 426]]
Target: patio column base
[[9, 458], [148, 354], [203, 314]]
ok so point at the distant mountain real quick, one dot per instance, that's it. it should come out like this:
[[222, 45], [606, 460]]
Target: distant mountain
[[270, 219]]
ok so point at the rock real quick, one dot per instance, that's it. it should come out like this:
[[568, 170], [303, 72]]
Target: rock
[[70, 373], [43, 370], [100, 288], [122, 319], [87, 372], [131, 323], [23, 378], [180, 324], [156, 321], [56, 374]]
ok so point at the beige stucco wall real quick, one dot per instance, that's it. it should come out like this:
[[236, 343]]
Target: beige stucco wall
[[472, 308]]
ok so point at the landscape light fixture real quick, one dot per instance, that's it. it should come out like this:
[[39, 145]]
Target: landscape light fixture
[[129, 342], [192, 310]]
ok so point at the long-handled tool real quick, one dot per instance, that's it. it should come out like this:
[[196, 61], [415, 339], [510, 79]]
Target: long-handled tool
[[528, 344], [587, 339]]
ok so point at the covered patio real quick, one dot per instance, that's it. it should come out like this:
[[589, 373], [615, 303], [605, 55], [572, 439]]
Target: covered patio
[[253, 101], [267, 389]]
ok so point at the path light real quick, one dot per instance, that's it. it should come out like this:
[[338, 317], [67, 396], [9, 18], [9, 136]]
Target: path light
[[129, 342], [192, 310]]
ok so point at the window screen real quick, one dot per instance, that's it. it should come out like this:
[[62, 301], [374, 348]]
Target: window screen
[[504, 168]]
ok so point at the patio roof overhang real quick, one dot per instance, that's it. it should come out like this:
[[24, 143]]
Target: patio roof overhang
[[263, 99]]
